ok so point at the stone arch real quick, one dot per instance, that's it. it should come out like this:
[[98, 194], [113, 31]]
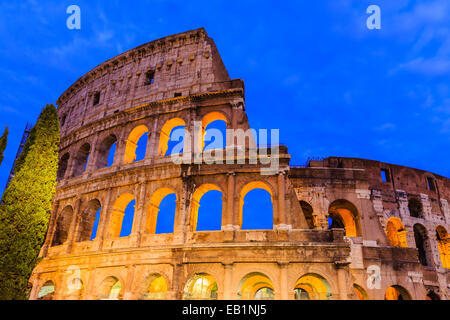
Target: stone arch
[[118, 214], [132, 143], [251, 284], [47, 291], [344, 215], [154, 288], [87, 219], [164, 137], [63, 224], [206, 120], [431, 295], [110, 289], [396, 233], [308, 213], [443, 241], [81, 160], [246, 189], [195, 202], [415, 208], [360, 292], [201, 286], [396, 292], [153, 209], [104, 150], [422, 244], [62, 166], [312, 286]]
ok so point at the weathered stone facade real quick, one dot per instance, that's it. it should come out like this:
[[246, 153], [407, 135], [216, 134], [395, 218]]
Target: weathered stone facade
[[182, 77]]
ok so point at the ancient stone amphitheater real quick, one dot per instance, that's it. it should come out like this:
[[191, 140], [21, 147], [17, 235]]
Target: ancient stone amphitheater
[[343, 228]]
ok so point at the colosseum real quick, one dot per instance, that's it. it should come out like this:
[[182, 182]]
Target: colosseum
[[343, 228]]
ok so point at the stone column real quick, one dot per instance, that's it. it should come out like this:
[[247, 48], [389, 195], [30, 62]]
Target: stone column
[[51, 229], [281, 220], [229, 219], [128, 293], [284, 286], [74, 225], [342, 271], [90, 293], [228, 293], [104, 219]]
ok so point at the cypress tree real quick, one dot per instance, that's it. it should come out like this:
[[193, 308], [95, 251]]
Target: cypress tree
[[26, 206], [3, 142]]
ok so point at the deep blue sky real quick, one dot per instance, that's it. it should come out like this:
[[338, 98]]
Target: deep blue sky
[[311, 68]]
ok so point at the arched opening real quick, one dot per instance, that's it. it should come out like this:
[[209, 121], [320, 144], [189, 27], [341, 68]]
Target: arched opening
[[155, 288], [216, 130], [171, 134], [62, 226], [343, 214], [396, 233], [312, 286], [201, 286], [62, 167], [75, 289], [47, 291], [256, 206], [443, 241], [110, 289], [308, 213], [161, 211], [397, 293], [105, 152], [422, 245], [96, 224], [201, 216], [136, 144], [415, 208], [431, 295], [122, 214], [360, 292], [256, 286], [81, 160], [87, 221]]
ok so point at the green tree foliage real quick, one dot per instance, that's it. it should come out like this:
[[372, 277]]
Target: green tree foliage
[[3, 142], [26, 206]]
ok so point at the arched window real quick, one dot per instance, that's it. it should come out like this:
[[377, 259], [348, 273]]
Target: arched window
[[161, 211], [206, 208], [62, 226], [443, 241], [256, 206], [397, 293], [396, 233], [122, 216], [172, 136], [110, 289], [62, 167], [136, 144], [96, 224], [431, 295], [308, 213], [255, 286], [105, 152], [201, 286], [87, 220], [81, 160], [312, 286], [343, 214], [47, 291], [415, 208], [360, 292], [217, 130], [422, 245], [155, 288]]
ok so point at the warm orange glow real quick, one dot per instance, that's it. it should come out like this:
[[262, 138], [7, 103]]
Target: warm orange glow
[[195, 202], [165, 134], [251, 283], [153, 208], [207, 119], [131, 143], [360, 292], [156, 288], [246, 189], [396, 293], [443, 246], [117, 214], [396, 233], [201, 286], [316, 286]]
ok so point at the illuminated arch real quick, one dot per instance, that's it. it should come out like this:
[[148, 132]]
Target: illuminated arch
[[165, 134], [153, 209], [103, 151], [118, 214], [206, 120], [246, 189], [63, 224], [47, 291], [316, 287], [87, 219], [252, 283], [397, 293], [360, 292], [200, 286], [132, 143], [344, 214], [195, 201], [110, 289], [443, 241], [155, 288], [396, 233]]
